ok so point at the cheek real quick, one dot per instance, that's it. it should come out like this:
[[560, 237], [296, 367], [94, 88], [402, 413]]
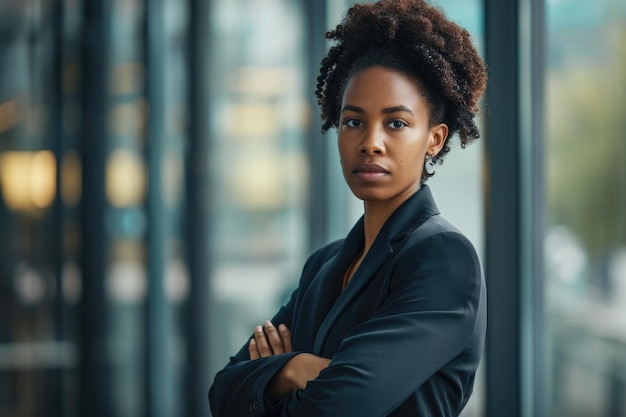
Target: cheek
[[341, 146]]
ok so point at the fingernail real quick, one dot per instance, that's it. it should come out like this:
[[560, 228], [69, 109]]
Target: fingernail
[[268, 323], [252, 342], [258, 328], [282, 327]]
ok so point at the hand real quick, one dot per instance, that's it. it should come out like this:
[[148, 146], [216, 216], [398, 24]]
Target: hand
[[268, 341], [296, 373], [303, 368]]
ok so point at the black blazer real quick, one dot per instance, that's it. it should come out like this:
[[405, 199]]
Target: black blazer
[[405, 336]]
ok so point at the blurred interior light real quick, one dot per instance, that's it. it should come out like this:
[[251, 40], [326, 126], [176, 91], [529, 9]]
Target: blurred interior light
[[258, 181], [125, 178], [28, 179], [126, 119], [252, 120], [29, 284], [126, 282], [71, 282], [43, 179], [71, 178], [176, 281], [127, 78], [264, 82], [8, 115]]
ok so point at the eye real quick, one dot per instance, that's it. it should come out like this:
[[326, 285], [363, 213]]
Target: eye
[[396, 124], [352, 123]]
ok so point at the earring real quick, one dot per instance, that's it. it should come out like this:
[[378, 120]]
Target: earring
[[429, 165]]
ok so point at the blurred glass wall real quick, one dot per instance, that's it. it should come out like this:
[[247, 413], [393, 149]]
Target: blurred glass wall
[[95, 172], [97, 175], [585, 242]]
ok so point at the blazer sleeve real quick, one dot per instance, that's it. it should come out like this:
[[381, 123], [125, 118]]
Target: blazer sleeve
[[428, 319], [238, 390]]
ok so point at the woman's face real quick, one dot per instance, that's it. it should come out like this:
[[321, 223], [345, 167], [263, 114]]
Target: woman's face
[[384, 135]]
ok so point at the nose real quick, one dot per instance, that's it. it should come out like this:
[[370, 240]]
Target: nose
[[372, 143]]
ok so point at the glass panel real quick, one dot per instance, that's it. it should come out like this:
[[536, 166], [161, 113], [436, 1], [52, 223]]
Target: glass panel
[[176, 283], [258, 161], [39, 286], [585, 242], [126, 187]]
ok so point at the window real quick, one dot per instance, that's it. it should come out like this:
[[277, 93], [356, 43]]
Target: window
[[585, 241]]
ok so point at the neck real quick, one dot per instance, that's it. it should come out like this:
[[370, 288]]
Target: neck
[[375, 216]]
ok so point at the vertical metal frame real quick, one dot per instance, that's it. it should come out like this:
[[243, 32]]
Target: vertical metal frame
[[198, 212], [318, 145], [58, 147], [95, 398], [532, 144], [503, 210], [514, 207], [158, 324]]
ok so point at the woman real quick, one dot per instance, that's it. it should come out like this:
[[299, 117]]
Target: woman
[[391, 319]]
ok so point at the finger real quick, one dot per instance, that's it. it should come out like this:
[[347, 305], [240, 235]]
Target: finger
[[261, 342], [273, 338], [253, 350], [285, 335]]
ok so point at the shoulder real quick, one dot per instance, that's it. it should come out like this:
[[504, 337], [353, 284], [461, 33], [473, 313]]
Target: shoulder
[[437, 253], [436, 234], [323, 254], [317, 259]]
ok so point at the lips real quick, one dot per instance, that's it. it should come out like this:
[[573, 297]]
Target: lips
[[369, 172]]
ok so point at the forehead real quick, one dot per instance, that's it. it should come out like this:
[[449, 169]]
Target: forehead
[[383, 86]]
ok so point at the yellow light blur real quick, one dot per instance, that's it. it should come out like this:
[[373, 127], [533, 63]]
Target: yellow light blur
[[125, 179], [15, 179], [28, 179], [253, 120], [8, 115], [43, 179], [71, 178], [264, 82], [258, 181]]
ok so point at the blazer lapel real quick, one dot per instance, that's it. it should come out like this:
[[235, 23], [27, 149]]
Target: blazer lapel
[[401, 223]]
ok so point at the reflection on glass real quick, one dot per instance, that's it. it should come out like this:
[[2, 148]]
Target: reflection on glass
[[258, 162], [28, 179], [126, 180], [585, 244]]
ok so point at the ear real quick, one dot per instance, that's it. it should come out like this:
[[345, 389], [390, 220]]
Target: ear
[[437, 138]]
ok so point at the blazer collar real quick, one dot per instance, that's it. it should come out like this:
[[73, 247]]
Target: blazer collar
[[413, 212]]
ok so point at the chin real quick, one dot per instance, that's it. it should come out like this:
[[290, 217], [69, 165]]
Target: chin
[[368, 194]]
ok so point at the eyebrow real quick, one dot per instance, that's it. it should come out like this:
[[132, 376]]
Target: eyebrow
[[387, 110]]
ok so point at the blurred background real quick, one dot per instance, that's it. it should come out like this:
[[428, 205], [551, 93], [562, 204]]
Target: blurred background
[[163, 178]]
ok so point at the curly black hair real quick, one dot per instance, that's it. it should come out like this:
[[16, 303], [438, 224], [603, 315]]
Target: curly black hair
[[416, 39]]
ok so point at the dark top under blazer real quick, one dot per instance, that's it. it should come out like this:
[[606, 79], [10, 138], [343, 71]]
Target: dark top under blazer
[[405, 336]]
